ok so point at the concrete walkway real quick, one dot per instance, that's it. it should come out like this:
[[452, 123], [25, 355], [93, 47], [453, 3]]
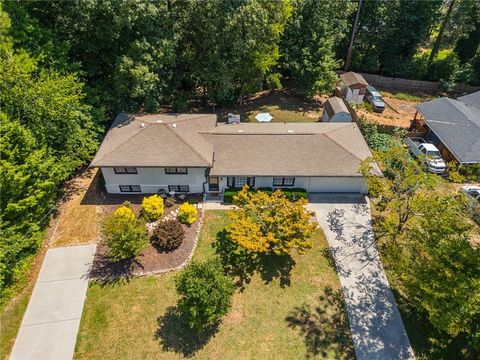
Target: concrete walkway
[[377, 328], [50, 324]]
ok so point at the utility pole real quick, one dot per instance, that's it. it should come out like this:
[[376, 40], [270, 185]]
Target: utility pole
[[348, 60]]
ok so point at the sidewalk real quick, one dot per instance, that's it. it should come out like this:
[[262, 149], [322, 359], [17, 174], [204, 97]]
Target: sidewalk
[[50, 324]]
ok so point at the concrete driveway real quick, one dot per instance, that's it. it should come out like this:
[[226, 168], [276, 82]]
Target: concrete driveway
[[377, 328], [50, 324]]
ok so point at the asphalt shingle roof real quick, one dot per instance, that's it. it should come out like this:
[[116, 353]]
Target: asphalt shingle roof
[[457, 125], [300, 149], [471, 99]]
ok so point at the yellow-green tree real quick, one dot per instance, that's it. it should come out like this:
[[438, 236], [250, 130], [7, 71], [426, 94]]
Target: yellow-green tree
[[264, 223]]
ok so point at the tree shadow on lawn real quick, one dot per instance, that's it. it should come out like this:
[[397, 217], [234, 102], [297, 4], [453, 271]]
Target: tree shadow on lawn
[[175, 335], [106, 272], [324, 327], [241, 264]]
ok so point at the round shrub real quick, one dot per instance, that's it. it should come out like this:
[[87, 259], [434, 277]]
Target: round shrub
[[187, 213], [205, 293], [168, 235], [124, 236], [152, 207], [124, 212]]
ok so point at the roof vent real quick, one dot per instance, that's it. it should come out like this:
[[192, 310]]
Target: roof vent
[[159, 121], [142, 125], [240, 130], [174, 125], [290, 131]]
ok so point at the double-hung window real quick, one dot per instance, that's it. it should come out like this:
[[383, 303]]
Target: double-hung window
[[125, 170], [130, 188], [176, 170], [240, 181], [284, 181]]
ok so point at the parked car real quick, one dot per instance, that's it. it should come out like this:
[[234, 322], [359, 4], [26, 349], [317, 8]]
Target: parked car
[[433, 159], [472, 193], [374, 98]]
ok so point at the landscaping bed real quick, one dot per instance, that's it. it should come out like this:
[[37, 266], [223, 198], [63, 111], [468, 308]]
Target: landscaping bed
[[290, 193], [293, 313], [151, 260]]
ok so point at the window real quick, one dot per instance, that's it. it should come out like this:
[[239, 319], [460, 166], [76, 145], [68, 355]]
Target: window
[[175, 170], [125, 170], [179, 188], [130, 188], [284, 181], [240, 181]]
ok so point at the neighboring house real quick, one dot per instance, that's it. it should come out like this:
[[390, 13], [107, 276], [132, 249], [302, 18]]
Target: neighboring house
[[453, 126], [335, 110], [353, 87], [192, 153]]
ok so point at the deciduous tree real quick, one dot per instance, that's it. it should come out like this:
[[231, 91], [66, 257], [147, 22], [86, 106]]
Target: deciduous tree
[[265, 223]]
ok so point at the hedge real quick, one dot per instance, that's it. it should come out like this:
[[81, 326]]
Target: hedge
[[292, 194]]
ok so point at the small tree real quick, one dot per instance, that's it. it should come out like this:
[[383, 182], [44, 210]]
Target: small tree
[[187, 213], [205, 293], [152, 207], [124, 235], [270, 223], [168, 235]]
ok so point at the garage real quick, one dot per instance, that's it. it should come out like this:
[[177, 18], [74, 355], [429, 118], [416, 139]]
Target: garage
[[337, 185]]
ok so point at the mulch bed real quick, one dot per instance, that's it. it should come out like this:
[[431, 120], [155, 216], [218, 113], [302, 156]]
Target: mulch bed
[[150, 261]]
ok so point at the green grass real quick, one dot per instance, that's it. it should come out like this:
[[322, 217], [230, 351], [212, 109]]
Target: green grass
[[136, 319], [405, 96], [10, 321], [281, 104]]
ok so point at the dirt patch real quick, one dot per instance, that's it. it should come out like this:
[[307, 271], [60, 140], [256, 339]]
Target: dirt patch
[[400, 117], [78, 219], [150, 261]]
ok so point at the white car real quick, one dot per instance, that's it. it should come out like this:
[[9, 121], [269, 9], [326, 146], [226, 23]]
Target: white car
[[473, 194]]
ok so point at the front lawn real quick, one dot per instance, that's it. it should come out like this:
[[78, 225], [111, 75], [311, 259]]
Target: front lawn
[[278, 315]]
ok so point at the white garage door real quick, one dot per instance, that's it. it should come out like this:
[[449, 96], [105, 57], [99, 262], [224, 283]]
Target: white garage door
[[337, 185]]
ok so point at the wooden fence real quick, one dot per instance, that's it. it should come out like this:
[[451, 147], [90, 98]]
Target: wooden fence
[[412, 86]]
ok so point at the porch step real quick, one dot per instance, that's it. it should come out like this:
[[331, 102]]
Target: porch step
[[213, 197]]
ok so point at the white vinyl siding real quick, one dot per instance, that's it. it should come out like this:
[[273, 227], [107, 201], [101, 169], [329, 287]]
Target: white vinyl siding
[[152, 180]]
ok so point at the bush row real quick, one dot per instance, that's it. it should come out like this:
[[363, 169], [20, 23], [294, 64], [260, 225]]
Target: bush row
[[290, 193]]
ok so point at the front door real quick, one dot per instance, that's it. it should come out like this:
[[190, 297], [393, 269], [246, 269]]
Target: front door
[[213, 183]]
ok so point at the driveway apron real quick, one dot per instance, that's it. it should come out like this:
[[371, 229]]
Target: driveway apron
[[377, 328], [50, 324]]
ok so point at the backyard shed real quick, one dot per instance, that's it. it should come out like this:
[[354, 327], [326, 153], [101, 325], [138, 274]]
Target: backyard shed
[[353, 87], [335, 110]]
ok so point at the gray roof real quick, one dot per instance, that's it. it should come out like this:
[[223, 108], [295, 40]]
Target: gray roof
[[353, 79], [471, 99], [335, 105], [157, 140], [456, 125], [292, 149], [257, 149]]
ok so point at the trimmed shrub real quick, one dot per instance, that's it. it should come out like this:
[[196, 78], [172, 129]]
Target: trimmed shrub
[[125, 236], [124, 212], [168, 235], [187, 213], [152, 207], [295, 193], [266, 190], [205, 293]]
